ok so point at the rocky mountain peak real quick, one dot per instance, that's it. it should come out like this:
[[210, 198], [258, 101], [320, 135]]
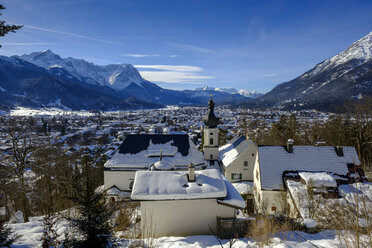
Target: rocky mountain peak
[[117, 76]]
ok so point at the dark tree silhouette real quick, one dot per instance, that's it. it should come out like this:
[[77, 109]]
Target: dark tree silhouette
[[4, 29]]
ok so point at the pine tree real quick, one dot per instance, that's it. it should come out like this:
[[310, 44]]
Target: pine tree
[[92, 223], [4, 29], [50, 236]]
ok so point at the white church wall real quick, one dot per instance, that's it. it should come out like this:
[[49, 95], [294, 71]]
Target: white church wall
[[163, 218], [120, 179]]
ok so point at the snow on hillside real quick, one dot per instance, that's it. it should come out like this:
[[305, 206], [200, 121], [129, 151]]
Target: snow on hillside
[[360, 50], [21, 111], [31, 233], [243, 92]]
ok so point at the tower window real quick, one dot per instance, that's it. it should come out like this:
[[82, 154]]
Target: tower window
[[211, 141], [245, 165], [210, 133]]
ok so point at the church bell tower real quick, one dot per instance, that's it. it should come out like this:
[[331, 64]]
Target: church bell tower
[[210, 147]]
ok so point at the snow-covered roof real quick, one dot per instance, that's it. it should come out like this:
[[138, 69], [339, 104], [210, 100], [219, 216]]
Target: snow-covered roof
[[233, 197], [300, 197], [229, 152], [115, 191], [142, 151], [318, 179], [273, 160], [244, 187], [174, 185]]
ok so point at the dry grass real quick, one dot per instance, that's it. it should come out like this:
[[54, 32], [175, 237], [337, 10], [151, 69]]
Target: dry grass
[[139, 237], [125, 216], [265, 228], [352, 221]]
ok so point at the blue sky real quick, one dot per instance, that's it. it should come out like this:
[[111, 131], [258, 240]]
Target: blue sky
[[183, 44]]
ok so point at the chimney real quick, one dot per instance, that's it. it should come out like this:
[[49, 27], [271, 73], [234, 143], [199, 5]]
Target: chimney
[[191, 175], [290, 145], [339, 151]]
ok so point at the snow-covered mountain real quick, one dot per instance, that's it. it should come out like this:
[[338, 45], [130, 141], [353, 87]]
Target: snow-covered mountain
[[117, 76], [44, 78], [348, 75], [242, 92], [28, 85]]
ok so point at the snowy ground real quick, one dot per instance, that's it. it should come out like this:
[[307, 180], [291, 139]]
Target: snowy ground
[[31, 233]]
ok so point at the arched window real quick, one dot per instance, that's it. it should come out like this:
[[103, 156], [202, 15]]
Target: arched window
[[211, 141]]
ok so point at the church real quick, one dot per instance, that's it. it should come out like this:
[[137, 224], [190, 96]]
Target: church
[[168, 175], [175, 152]]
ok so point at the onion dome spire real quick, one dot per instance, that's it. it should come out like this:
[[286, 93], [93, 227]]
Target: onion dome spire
[[210, 120]]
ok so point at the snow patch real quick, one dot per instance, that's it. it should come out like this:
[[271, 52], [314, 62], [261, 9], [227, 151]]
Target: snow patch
[[318, 179]]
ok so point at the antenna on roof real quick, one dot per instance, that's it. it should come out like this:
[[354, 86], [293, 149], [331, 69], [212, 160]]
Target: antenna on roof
[[317, 143]]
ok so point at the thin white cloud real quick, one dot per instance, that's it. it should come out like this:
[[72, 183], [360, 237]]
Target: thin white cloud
[[271, 75], [138, 55], [184, 68], [72, 35], [173, 74], [26, 43], [194, 48], [173, 77]]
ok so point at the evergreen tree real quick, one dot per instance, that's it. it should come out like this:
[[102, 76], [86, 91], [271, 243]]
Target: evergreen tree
[[4, 29], [92, 223], [50, 236]]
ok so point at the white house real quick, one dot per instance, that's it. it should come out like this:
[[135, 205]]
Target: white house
[[184, 203], [149, 151], [237, 158], [273, 162]]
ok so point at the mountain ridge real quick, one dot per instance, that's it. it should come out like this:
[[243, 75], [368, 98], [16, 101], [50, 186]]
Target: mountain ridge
[[332, 82], [118, 83]]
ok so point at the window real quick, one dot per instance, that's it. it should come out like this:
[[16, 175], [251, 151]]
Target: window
[[112, 201], [273, 208], [257, 175], [236, 176], [211, 141], [245, 165], [210, 133], [211, 156], [131, 184]]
